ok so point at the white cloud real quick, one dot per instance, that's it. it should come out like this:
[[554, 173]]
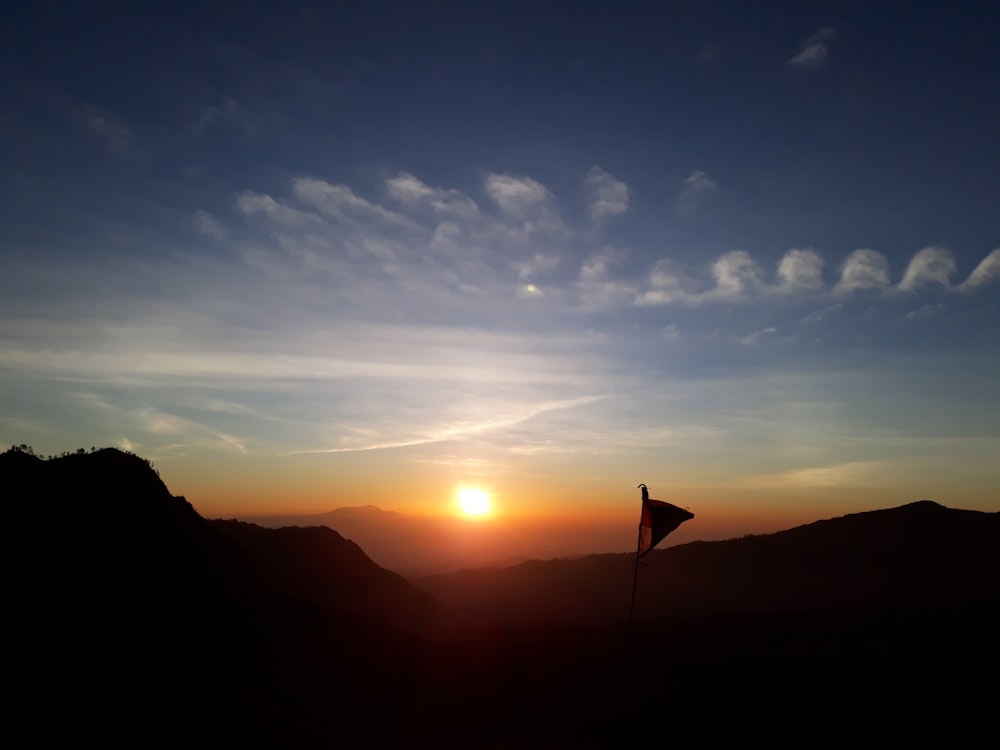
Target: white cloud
[[846, 474], [518, 196], [232, 441], [156, 421], [669, 284], [157, 348], [251, 203], [814, 50], [340, 201], [986, 272], [801, 271], [460, 431], [735, 273], [462, 254], [924, 311], [738, 277], [695, 188], [539, 264], [207, 226], [598, 265], [756, 336], [864, 269], [410, 191], [407, 189], [932, 265], [597, 288], [820, 315], [608, 196]]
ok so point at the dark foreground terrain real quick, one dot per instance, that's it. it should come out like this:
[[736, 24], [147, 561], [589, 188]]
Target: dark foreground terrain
[[128, 619]]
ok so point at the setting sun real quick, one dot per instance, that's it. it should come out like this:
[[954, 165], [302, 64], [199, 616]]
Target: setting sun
[[473, 502]]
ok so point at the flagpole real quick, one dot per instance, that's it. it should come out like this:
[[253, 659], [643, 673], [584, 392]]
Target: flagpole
[[635, 572]]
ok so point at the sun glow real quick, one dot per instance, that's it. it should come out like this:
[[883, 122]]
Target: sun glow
[[473, 502]]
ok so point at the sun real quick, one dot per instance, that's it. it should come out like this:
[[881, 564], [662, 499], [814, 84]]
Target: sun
[[474, 502]]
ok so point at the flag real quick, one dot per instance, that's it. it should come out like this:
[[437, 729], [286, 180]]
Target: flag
[[658, 520]]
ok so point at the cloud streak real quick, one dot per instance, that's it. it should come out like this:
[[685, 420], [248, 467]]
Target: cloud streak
[[462, 430], [813, 51], [695, 189]]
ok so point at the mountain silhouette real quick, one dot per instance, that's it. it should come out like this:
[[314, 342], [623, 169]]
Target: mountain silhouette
[[917, 554], [317, 564], [146, 624], [129, 619]]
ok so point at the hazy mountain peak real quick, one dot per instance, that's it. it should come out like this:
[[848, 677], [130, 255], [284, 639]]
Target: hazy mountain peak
[[369, 510]]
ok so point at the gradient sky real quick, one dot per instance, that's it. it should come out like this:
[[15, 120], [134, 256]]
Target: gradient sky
[[311, 255]]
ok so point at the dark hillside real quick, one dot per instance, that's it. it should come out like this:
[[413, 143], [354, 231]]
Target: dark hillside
[[319, 565], [143, 622], [130, 620], [917, 554]]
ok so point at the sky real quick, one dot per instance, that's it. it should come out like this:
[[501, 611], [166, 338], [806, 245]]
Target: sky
[[304, 256]]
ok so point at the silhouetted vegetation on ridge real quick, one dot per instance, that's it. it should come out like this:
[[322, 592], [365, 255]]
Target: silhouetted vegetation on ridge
[[131, 620]]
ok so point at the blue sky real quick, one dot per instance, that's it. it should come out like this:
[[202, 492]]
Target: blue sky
[[303, 255]]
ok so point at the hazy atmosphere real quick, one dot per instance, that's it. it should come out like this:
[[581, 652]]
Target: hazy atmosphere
[[325, 255]]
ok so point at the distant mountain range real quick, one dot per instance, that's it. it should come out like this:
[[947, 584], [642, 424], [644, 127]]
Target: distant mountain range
[[129, 619], [426, 544]]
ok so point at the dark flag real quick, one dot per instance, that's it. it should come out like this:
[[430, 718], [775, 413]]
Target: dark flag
[[658, 520]]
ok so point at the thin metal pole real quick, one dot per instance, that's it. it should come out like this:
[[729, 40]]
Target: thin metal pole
[[635, 573]]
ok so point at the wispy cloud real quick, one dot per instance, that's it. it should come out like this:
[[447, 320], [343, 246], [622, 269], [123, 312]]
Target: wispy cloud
[[250, 202], [853, 473], [341, 202], [932, 265], [757, 336], [597, 285], [814, 50], [113, 133], [520, 197], [459, 431], [818, 316], [924, 311], [186, 433], [537, 265], [696, 187], [607, 195], [328, 317], [410, 191], [207, 226], [234, 117], [985, 273]]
